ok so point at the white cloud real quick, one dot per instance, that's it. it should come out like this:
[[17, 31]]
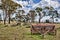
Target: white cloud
[[22, 3], [42, 3], [59, 11], [55, 4]]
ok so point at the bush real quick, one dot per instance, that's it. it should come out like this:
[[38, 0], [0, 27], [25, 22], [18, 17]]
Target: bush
[[47, 21]]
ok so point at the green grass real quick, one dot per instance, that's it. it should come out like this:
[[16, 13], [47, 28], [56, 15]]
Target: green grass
[[23, 33], [37, 37]]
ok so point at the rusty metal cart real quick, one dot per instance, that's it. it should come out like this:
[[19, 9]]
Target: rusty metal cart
[[43, 29]]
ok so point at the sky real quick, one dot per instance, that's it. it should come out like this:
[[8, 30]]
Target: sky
[[33, 1], [54, 3], [32, 4]]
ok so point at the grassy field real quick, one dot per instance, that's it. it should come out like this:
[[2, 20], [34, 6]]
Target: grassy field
[[23, 33]]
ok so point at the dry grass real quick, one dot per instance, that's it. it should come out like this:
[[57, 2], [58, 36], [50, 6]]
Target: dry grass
[[23, 33]]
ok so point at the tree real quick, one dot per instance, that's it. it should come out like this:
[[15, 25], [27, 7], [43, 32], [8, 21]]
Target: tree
[[32, 15], [56, 13], [46, 7], [23, 11], [28, 17], [49, 8], [10, 7], [3, 7], [38, 10], [20, 15], [0, 17]]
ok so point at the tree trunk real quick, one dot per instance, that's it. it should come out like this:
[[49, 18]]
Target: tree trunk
[[39, 17], [39, 20], [32, 20], [9, 18], [5, 15], [5, 21]]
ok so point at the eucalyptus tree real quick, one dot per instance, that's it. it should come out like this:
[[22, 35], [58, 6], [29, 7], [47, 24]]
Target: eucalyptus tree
[[24, 16], [32, 14], [46, 7], [49, 8], [52, 12], [28, 18], [57, 13], [10, 7], [3, 7], [20, 15], [38, 10], [22, 12]]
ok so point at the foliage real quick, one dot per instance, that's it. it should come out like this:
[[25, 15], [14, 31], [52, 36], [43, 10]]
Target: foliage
[[38, 9], [9, 6], [32, 14]]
